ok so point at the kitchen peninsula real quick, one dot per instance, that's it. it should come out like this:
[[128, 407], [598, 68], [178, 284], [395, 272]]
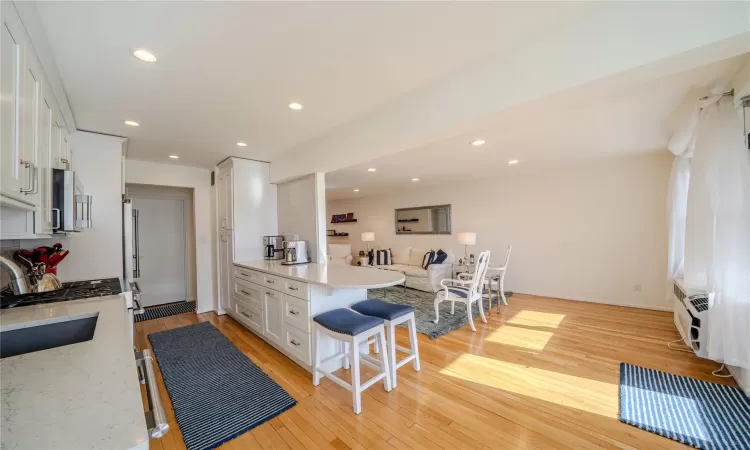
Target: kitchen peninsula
[[277, 302]]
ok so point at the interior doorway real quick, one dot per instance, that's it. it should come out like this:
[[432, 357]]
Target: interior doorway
[[166, 243]]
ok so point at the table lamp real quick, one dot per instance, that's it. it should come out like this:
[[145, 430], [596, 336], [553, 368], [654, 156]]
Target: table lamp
[[368, 236], [466, 238]]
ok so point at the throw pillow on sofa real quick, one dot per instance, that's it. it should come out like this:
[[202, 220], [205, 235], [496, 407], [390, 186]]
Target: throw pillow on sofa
[[416, 257], [382, 258], [440, 257], [429, 257], [400, 255]]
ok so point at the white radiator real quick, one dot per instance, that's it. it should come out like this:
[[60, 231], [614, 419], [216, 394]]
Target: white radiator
[[691, 308]]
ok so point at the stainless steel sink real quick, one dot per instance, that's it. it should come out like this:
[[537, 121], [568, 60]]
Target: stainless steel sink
[[19, 341]]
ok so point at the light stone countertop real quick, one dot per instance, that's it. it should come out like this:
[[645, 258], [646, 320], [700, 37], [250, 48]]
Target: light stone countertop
[[335, 276], [79, 396]]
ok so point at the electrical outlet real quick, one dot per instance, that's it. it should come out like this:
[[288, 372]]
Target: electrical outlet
[[637, 287]]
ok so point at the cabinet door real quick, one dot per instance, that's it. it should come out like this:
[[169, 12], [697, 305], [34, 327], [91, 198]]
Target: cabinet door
[[43, 216], [57, 137], [11, 73], [64, 151], [225, 201], [225, 269], [30, 105], [273, 316]]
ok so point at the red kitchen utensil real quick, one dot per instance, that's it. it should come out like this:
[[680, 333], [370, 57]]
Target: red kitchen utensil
[[55, 259], [40, 255]]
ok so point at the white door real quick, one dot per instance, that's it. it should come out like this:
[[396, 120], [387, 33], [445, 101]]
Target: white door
[[273, 316], [161, 250], [11, 127]]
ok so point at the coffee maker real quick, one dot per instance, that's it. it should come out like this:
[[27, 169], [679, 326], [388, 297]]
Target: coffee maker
[[296, 252], [273, 247]]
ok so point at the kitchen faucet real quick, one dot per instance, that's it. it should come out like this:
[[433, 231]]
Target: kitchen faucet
[[17, 277]]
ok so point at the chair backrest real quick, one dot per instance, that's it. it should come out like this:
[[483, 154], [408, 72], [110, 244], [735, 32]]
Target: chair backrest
[[477, 282], [507, 256], [339, 251]]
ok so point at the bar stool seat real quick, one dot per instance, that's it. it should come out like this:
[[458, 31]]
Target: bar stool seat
[[393, 314], [346, 321], [353, 330], [376, 307]]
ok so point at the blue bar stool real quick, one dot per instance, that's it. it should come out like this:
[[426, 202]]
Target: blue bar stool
[[393, 315], [353, 330]]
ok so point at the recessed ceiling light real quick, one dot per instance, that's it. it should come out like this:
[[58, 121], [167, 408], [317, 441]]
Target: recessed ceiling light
[[132, 123], [143, 55], [241, 144], [477, 143], [295, 106], [513, 161], [174, 156], [372, 169], [356, 190], [415, 179]]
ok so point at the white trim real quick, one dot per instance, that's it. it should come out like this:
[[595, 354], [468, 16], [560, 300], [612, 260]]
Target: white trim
[[599, 301], [741, 382]]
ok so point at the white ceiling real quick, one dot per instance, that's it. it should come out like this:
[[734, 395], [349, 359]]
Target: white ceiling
[[227, 70], [578, 126]]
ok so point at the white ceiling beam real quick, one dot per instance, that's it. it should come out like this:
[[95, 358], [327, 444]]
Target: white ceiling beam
[[611, 39]]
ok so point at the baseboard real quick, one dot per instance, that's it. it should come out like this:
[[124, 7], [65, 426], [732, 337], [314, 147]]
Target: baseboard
[[742, 382], [602, 302]]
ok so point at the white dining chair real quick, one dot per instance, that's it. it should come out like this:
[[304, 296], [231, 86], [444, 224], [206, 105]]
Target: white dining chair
[[497, 274], [467, 289]]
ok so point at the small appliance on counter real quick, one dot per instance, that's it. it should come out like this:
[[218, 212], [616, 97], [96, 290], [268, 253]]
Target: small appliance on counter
[[71, 208], [296, 252], [274, 247]]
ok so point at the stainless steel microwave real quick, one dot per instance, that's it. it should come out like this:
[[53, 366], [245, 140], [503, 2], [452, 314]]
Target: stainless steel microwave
[[71, 208]]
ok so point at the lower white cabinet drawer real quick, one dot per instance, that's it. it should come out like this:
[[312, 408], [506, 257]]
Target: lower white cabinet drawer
[[249, 293], [296, 288], [297, 343], [297, 312], [272, 282], [250, 317], [249, 275]]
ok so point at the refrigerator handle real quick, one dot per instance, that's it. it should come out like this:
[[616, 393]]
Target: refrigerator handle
[[136, 246]]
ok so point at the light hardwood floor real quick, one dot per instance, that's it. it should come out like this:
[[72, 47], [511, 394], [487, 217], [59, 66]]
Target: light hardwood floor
[[542, 374]]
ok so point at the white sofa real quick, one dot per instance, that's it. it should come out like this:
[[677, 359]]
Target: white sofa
[[409, 262], [340, 254]]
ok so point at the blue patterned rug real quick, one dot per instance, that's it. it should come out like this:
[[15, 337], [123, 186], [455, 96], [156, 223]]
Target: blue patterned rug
[[698, 413], [424, 303], [156, 312], [216, 391]]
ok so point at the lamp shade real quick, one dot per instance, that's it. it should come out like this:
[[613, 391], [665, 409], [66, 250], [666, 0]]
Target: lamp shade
[[467, 238], [368, 236]]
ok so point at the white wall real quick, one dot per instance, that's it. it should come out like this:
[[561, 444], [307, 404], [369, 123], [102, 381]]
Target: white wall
[[142, 172], [185, 194], [581, 232], [95, 252], [301, 210]]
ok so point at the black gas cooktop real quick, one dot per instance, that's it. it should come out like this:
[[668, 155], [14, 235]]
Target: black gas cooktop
[[70, 291]]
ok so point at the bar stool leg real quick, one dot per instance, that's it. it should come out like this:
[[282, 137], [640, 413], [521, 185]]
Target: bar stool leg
[[391, 343], [412, 323], [384, 362], [356, 386], [346, 355], [316, 356]]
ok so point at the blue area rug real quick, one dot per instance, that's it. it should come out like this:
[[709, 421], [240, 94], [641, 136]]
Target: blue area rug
[[216, 391], [157, 312], [697, 413]]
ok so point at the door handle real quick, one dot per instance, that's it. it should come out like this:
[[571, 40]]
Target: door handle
[[28, 165], [57, 217]]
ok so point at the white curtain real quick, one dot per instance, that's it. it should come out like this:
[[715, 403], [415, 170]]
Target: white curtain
[[717, 239]]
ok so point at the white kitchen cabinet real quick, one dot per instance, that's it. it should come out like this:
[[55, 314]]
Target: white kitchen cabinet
[[225, 267], [33, 137], [246, 211], [273, 316], [225, 200], [13, 45]]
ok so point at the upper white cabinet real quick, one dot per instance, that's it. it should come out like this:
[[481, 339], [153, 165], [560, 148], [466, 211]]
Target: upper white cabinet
[[12, 47], [246, 212], [34, 138]]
